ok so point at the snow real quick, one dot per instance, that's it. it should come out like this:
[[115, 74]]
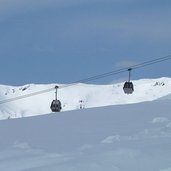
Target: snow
[[131, 133], [115, 138], [79, 96]]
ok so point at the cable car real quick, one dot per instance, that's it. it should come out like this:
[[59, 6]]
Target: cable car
[[56, 104], [128, 86]]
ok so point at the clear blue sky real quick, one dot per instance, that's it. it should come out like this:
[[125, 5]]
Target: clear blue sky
[[61, 41]]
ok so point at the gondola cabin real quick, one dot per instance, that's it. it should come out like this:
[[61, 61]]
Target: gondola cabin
[[128, 87], [56, 106]]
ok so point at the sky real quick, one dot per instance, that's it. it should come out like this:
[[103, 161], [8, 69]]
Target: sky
[[58, 41]]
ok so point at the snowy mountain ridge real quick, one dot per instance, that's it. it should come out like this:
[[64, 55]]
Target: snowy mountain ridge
[[79, 96]]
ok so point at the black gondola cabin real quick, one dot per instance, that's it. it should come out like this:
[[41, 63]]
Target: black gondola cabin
[[56, 104], [128, 87]]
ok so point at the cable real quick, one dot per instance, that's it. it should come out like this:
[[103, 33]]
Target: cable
[[114, 72], [26, 96], [147, 63]]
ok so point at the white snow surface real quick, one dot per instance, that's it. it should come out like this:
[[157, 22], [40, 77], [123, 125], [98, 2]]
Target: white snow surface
[[120, 137], [79, 96], [133, 137]]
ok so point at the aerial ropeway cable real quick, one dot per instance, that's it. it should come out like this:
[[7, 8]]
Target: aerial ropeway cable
[[26, 95], [128, 86], [118, 71]]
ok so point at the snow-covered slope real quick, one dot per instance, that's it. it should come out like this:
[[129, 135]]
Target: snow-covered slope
[[134, 137], [79, 96]]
